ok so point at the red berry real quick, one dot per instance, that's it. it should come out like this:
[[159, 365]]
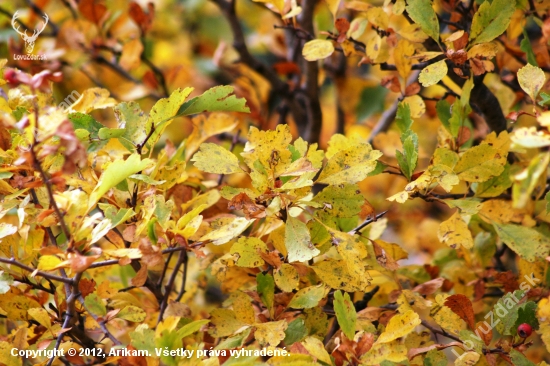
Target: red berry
[[524, 330], [10, 75]]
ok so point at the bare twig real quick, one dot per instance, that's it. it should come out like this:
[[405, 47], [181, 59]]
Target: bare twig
[[101, 323], [366, 222], [35, 271], [170, 285]]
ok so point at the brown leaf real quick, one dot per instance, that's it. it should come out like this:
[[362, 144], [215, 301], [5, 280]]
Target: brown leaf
[[508, 280], [480, 328], [93, 10], [458, 57], [462, 306], [412, 89], [413, 352], [140, 277], [460, 43], [152, 256], [287, 68], [464, 135], [364, 345], [142, 19], [86, 287], [430, 287], [479, 290], [249, 207], [392, 83], [132, 360], [79, 263], [272, 258]]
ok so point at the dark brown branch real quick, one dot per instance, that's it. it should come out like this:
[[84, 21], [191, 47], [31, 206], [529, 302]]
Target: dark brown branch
[[35, 271], [158, 74], [101, 323], [312, 130], [170, 285], [440, 331], [184, 279], [366, 222]]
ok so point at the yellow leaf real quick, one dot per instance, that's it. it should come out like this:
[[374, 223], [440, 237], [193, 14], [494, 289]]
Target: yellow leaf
[[378, 17], [333, 6], [242, 306], [399, 326], [48, 262], [228, 231], [287, 278], [433, 73], [455, 232], [92, 99], [205, 127], [316, 348], [41, 316], [467, 359], [317, 49], [271, 333], [531, 79], [417, 105], [487, 50], [402, 57], [380, 352], [213, 158]]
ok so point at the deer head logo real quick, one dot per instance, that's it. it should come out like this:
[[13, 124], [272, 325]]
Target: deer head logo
[[29, 40]]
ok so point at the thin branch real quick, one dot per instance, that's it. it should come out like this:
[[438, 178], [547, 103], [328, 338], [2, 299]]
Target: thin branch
[[184, 279], [366, 222], [440, 331], [158, 74], [170, 285], [71, 300], [35, 271], [37, 10], [101, 323]]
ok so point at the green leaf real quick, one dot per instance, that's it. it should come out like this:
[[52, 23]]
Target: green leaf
[[518, 359], [218, 98], [191, 328], [527, 313], [132, 313], [491, 20], [85, 122], [350, 166], [528, 179], [345, 313], [143, 339], [298, 241], [526, 47], [135, 123], [5, 282], [115, 173], [213, 158], [545, 99], [435, 358], [403, 118], [295, 332], [527, 242], [308, 297], [341, 201], [95, 305], [266, 289], [409, 157], [432, 74], [109, 133], [443, 109], [423, 14]]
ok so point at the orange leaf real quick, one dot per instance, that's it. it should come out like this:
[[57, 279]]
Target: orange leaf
[[462, 306]]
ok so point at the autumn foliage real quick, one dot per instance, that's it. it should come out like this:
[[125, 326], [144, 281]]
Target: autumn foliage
[[311, 182]]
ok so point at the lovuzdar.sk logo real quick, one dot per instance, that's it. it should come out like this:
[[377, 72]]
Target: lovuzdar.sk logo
[[29, 39]]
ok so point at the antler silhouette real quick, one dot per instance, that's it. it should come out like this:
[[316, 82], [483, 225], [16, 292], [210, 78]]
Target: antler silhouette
[[29, 40]]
